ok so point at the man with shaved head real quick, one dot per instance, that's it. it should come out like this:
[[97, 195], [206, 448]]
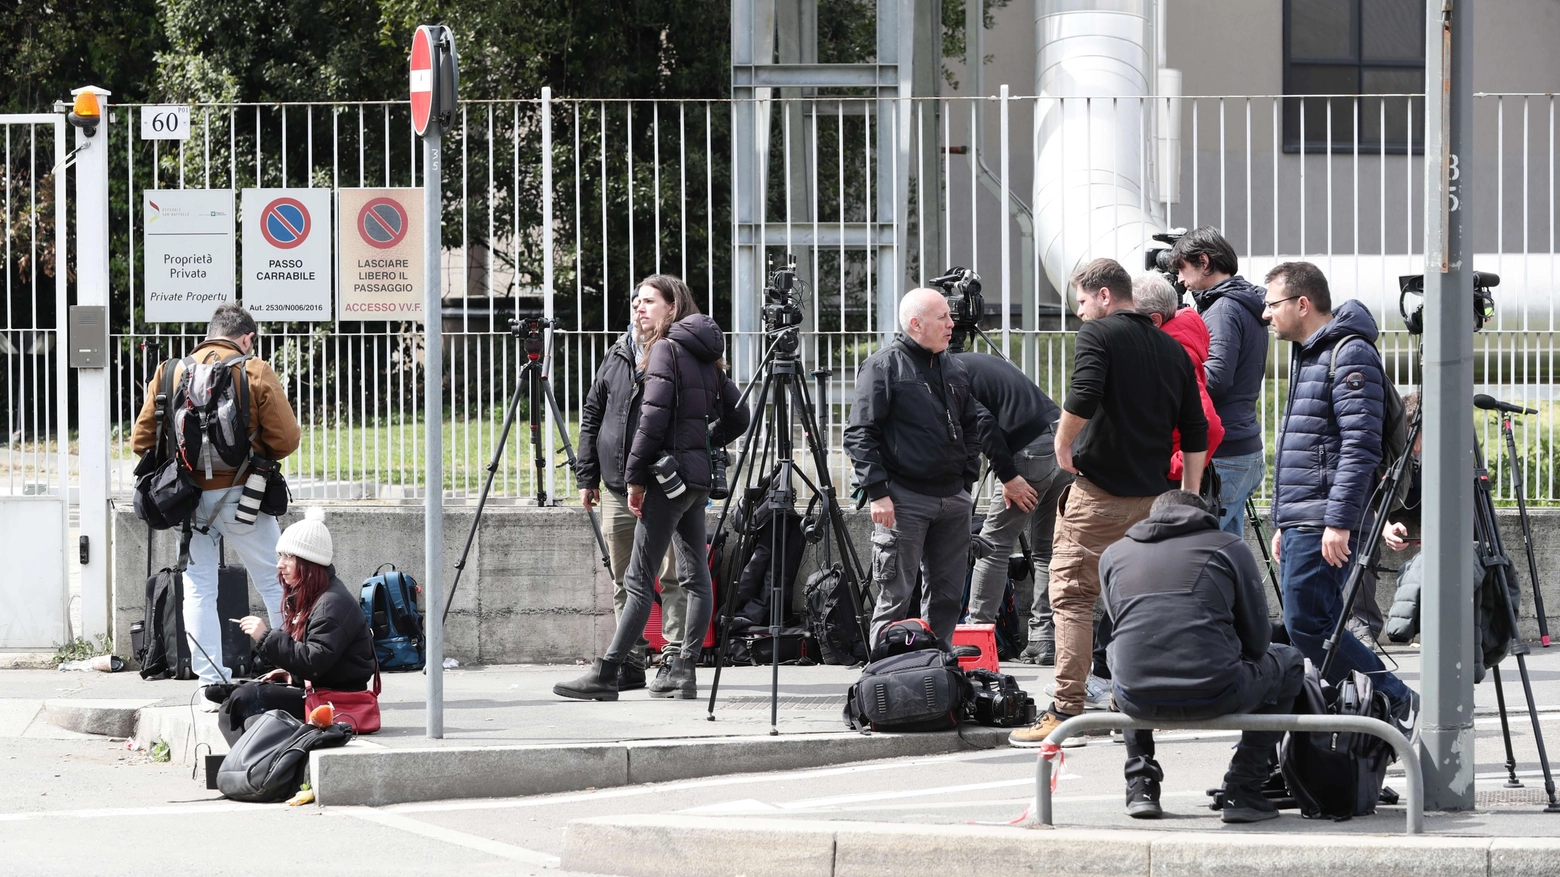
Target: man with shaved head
[[916, 448]]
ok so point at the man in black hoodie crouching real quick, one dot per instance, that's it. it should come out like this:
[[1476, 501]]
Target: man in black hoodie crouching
[[1193, 642]]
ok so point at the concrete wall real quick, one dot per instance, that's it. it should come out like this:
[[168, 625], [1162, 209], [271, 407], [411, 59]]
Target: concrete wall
[[534, 590]]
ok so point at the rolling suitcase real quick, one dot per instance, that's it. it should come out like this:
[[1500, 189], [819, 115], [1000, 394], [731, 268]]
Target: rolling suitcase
[[233, 602]]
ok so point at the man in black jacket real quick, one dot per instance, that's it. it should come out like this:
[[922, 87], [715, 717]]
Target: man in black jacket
[[608, 420], [1016, 421], [915, 443], [1237, 362], [1193, 642], [1132, 387]]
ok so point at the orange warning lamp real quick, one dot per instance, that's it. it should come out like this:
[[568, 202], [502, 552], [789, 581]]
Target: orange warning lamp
[[87, 111]]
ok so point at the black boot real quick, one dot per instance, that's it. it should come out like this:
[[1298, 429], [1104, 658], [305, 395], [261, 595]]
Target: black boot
[[1143, 798], [679, 681], [598, 683]]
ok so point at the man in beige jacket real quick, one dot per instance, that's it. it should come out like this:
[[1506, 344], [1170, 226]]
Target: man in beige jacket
[[232, 332]]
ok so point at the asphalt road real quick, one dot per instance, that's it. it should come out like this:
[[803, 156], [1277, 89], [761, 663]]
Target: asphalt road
[[85, 805]]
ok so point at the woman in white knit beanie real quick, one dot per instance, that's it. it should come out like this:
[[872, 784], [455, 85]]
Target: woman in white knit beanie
[[324, 637]]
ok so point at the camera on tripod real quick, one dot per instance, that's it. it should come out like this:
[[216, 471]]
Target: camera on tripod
[[783, 309], [961, 287], [529, 330], [1411, 300]]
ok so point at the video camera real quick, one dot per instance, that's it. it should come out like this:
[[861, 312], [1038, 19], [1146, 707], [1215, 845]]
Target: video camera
[[1158, 258], [782, 311], [1411, 300], [961, 287]]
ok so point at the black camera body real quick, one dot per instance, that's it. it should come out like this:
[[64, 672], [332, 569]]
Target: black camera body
[[783, 309], [719, 461], [999, 702], [1411, 300], [961, 287], [530, 330], [1158, 258]]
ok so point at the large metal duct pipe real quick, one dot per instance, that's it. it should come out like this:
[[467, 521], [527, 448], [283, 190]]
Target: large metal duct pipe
[[1094, 131]]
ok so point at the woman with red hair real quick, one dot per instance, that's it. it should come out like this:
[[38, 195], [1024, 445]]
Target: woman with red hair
[[324, 637]]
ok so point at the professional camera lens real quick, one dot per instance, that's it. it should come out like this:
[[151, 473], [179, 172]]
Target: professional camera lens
[[665, 471], [254, 490], [718, 462]]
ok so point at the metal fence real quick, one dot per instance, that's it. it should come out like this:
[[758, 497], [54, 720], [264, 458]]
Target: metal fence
[[644, 186]]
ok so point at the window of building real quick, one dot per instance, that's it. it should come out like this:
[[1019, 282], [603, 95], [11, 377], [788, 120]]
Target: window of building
[[1346, 48]]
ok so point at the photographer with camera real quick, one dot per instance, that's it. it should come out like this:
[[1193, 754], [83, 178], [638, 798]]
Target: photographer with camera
[[1016, 422], [228, 506], [914, 441], [1237, 361], [688, 408], [1324, 469], [609, 418]]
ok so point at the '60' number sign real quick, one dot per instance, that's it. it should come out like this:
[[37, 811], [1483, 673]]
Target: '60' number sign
[[170, 122]]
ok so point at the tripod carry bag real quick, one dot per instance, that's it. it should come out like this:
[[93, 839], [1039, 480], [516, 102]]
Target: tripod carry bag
[[922, 690]]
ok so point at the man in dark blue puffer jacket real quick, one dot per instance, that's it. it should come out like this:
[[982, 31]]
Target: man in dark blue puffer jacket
[[1325, 466], [1237, 362]]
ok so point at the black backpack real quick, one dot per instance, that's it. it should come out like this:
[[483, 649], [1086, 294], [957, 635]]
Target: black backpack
[[165, 494], [1336, 775], [267, 763], [922, 690], [163, 651]]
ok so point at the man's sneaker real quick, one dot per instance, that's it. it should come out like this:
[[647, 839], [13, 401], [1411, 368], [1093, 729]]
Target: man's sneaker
[[1096, 693], [1032, 736], [1405, 717], [210, 699], [1143, 798], [631, 676], [1362, 632], [659, 685], [1247, 805], [1039, 652]]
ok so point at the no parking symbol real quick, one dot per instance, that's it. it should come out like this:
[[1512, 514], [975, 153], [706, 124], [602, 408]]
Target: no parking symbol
[[286, 263], [381, 254]]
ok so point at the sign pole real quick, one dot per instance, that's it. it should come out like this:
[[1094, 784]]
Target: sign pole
[[433, 101], [1447, 756]]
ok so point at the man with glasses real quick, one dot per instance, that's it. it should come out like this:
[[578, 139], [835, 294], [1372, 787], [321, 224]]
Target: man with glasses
[[1324, 467]]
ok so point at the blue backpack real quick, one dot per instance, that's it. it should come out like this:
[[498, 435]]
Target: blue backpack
[[389, 601]]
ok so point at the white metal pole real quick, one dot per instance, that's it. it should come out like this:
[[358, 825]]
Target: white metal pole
[[433, 420], [92, 383], [547, 282]]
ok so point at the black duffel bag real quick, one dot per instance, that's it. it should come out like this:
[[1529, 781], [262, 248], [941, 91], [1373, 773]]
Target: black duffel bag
[[915, 691], [267, 763]]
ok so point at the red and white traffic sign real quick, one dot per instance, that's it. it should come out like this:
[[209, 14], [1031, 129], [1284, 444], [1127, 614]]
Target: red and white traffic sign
[[422, 78]]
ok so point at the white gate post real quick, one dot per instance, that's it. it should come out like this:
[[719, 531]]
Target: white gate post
[[92, 383]]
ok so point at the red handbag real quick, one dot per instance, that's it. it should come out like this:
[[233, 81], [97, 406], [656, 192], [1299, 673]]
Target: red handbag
[[360, 709]]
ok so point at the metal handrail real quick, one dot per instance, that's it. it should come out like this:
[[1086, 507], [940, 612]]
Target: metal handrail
[[1406, 755]]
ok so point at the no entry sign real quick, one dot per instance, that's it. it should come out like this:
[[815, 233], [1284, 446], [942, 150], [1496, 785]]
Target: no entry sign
[[422, 78], [380, 254], [287, 253]]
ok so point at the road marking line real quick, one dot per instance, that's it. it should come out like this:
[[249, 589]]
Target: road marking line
[[447, 835], [217, 806], [811, 803]]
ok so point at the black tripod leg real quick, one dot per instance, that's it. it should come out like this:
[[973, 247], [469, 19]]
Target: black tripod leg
[[1538, 732], [737, 475], [573, 464], [1267, 553], [1505, 733], [487, 485], [1527, 529], [534, 417]]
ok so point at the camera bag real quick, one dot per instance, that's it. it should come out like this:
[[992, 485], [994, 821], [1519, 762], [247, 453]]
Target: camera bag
[[922, 690], [1336, 775]]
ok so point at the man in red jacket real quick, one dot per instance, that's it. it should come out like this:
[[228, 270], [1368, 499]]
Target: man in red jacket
[[1156, 298]]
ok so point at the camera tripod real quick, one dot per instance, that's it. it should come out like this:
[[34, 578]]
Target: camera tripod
[[1507, 409], [783, 390], [533, 383], [1491, 555]]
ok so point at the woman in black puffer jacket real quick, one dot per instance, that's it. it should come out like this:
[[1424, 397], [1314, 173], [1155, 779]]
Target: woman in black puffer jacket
[[688, 409]]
